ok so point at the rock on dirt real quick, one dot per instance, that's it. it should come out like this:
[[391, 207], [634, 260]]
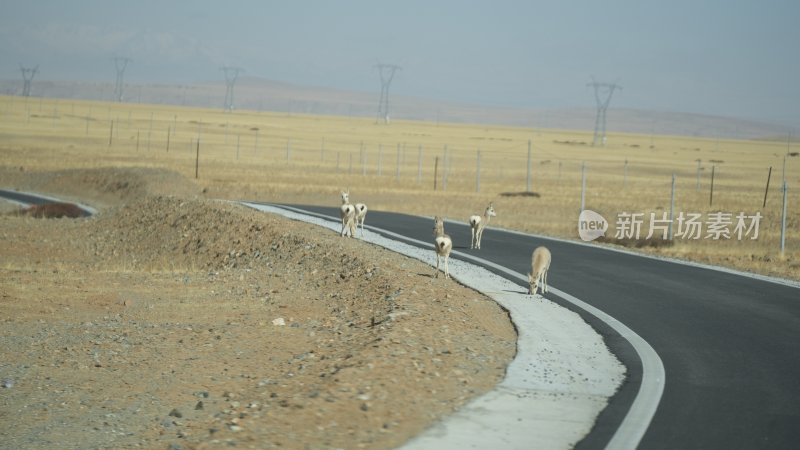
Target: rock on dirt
[[150, 326]]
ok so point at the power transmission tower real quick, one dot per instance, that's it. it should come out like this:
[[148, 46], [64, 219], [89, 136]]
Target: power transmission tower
[[231, 74], [602, 93], [27, 77], [120, 63], [386, 72]]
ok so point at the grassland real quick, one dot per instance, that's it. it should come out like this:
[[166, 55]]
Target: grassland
[[431, 168]]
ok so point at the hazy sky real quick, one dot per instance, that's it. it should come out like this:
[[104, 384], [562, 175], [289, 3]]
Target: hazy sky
[[737, 58]]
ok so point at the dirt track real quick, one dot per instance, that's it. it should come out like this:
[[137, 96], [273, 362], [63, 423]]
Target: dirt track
[[174, 321]]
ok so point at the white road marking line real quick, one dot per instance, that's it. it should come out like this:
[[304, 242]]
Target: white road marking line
[[637, 420]]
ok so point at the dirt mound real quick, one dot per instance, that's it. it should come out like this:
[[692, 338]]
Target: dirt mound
[[168, 233], [103, 186], [167, 322], [197, 234]]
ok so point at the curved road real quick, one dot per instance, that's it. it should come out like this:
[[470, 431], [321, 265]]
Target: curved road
[[25, 198], [730, 343]]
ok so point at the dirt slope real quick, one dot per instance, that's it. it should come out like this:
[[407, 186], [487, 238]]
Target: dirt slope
[[173, 321]]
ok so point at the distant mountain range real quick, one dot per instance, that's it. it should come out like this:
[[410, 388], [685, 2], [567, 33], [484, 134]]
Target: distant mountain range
[[265, 95]]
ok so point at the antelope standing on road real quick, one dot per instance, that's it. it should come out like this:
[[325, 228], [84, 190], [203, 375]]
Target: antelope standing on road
[[478, 224], [540, 264]]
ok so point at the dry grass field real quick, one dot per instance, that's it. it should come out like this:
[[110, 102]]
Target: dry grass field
[[431, 168]]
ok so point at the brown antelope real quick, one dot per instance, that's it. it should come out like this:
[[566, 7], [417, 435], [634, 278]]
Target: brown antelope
[[348, 214], [540, 264], [478, 224], [361, 214], [444, 245]]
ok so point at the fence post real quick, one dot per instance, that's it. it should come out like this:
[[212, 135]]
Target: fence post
[[169, 129], [199, 129], [197, 160], [671, 208], [435, 172], [783, 218], [478, 173], [711, 196], [766, 190], [528, 177], [698, 176], [445, 168], [625, 174], [363, 160], [583, 185], [784, 169], [288, 150], [559, 170], [111, 133]]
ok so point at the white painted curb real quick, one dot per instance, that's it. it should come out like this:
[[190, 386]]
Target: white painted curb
[[559, 381]]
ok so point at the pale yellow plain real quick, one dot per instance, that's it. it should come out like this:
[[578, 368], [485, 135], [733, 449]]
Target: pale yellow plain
[[277, 157]]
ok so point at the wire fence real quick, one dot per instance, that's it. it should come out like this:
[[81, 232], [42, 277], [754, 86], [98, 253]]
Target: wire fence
[[633, 173]]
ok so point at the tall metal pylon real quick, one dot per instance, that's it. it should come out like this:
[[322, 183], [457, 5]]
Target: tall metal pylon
[[27, 76], [386, 72], [231, 74], [120, 63], [602, 93]]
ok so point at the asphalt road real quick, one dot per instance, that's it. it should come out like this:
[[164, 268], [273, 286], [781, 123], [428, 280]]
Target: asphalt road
[[34, 199], [730, 344], [22, 197]]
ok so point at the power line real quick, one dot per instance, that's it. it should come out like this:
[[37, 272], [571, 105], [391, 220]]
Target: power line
[[386, 72], [231, 74], [27, 76], [120, 63], [602, 93]]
